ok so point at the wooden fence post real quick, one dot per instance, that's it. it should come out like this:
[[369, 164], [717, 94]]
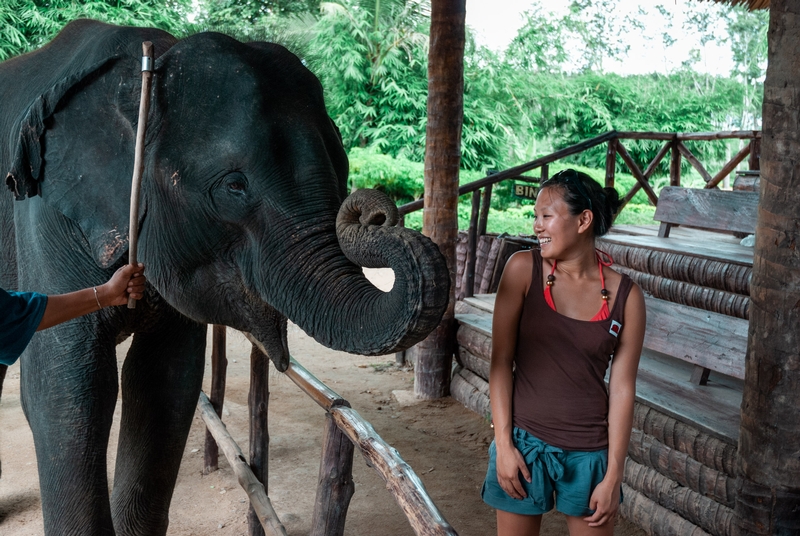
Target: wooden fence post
[[483, 219], [755, 155], [219, 366], [472, 245], [611, 162], [675, 164], [545, 173], [335, 487], [258, 402]]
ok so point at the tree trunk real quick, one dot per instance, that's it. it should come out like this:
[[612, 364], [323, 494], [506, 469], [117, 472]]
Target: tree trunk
[[442, 161], [768, 491]]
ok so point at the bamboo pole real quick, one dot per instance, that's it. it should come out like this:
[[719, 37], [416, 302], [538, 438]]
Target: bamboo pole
[[401, 481], [743, 153], [138, 157], [258, 404], [219, 366], [335, 487], [247, 480]]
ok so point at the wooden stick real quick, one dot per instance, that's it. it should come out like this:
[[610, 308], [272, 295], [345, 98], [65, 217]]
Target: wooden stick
[[637, 173], [694, 162], [730, 166], [258, 404], [138, 158], [400, 478], [335, 487], [219, 365], [247, 480]]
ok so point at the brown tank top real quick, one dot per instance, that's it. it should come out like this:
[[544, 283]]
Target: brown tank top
[[559, 391]]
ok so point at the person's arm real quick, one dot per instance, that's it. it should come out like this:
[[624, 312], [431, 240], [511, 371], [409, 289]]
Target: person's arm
[[621, 395], [505, 323], [126, 282]]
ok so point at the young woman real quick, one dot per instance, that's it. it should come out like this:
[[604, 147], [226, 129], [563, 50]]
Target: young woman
[[24, 313], [561, 316]]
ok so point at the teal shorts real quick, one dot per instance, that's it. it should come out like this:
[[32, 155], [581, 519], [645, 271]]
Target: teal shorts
[[569, 475]]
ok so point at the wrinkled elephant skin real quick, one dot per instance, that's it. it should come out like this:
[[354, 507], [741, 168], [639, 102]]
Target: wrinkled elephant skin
[[245, 221]]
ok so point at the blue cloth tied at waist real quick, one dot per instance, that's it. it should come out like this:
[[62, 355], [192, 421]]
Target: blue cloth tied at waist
[[539, 457]]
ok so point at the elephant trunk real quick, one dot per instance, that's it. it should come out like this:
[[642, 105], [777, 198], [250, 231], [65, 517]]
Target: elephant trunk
[[333, 301]]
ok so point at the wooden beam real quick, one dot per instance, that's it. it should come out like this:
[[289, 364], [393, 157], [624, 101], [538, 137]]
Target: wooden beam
[[743, 153], [219, 366], [637, 173], [691, 136], [247, 480], [401, 480], [694, 161], [472, 244], [651, 168], [313, 387]]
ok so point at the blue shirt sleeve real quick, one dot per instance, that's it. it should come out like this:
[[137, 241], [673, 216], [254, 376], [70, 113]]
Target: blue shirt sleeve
[[20, 315]]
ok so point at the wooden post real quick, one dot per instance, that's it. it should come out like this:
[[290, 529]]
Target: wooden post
[[335, 486], [754, 163], [611, 162], [472, 246], [545, 173], [675, 165], [483, 219], [768, 488], [442, 162], [219, 366], [258, 402]]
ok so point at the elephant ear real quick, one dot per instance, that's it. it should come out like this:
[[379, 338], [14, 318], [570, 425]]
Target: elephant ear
[[76, 148]]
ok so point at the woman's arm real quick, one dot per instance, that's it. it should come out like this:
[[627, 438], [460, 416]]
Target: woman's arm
[[126, 282], [621, 394], [505, 322]]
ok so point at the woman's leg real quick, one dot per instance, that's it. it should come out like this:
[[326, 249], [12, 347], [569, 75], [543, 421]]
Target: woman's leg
[[578, 527], [509, 524]]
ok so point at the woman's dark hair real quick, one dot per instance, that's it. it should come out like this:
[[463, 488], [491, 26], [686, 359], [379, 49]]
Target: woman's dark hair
[[581, 192]]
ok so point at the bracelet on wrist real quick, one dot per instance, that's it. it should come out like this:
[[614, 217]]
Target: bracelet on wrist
[[97, 299]]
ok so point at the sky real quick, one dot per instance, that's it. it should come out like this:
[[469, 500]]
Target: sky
[[495, 22]]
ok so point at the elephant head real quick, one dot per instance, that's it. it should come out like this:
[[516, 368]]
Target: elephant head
[[245, 218]]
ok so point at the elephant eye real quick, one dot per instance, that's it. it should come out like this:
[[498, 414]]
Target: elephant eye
[[236, 182]]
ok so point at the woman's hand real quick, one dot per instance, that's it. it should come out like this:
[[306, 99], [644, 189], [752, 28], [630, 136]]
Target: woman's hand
[[604, 502], [510, 464], [126, 282]]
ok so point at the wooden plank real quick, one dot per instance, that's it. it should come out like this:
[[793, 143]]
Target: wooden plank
[[709, 209], [484, 302], [663, 383], [711, 340], [694, 161], [480, 323], [706, 249]]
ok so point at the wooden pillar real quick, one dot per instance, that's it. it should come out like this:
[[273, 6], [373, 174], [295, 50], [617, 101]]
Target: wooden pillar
[[754, 162], [675, 165], [335, 486], [545, 173], [611, 163], [768, 488], [258, 402], [442, 161], [219, 367], [472, 244]]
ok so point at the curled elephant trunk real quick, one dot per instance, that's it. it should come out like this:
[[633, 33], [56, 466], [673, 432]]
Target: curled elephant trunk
[[344, 311]]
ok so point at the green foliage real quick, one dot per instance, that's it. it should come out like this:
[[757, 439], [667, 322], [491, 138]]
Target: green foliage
[[29, 24]]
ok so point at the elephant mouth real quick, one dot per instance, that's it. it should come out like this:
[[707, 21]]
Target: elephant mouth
[[280, 359]]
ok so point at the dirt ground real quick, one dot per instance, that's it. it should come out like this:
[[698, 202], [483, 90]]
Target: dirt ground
[[445, 443]]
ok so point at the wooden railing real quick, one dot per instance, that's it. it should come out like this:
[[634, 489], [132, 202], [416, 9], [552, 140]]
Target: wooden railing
[[673, 144], [344, 429]]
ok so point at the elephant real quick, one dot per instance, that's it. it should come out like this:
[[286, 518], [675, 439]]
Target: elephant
[[245, 220]]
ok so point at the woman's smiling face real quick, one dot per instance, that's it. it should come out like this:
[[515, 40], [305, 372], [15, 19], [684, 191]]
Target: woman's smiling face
[[556, 228]]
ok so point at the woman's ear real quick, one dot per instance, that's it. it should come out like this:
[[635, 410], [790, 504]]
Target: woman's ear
[[585, 221]]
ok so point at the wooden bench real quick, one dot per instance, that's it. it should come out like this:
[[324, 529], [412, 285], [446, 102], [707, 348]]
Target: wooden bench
[[713, 209]]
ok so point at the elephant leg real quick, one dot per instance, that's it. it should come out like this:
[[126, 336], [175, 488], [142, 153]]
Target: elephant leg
[[69, 389], [161, 381]]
